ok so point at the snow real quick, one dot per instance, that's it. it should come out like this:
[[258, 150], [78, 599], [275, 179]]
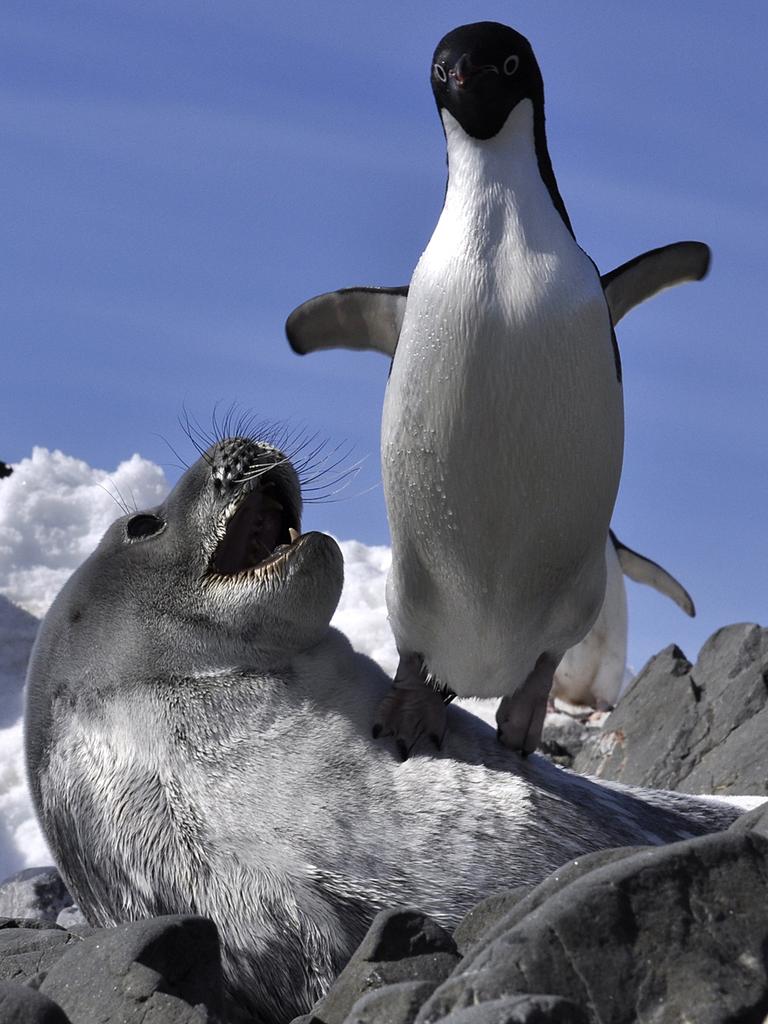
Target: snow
[[362, 610], [53, 512]]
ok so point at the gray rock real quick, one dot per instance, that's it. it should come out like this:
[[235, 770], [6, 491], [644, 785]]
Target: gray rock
[[34, 893], [165, 969], [20, 1004], [520, 1010], [28, 948], [404, 932], [551, 885], [71, 917], [562, 738], [485, 915], [401, 945], [755, 820], [668, 934], [393, 1004], [696, 729], [26, 922]]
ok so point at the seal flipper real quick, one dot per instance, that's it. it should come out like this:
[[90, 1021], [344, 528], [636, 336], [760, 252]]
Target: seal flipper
[[356, 318], [643, 570], [644, 276]]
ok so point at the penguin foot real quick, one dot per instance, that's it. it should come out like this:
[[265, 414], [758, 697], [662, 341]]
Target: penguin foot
[[520, 715], [411, 710]]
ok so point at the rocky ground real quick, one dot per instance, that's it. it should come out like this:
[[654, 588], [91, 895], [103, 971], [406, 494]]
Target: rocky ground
[[694, 728], [662, 934]]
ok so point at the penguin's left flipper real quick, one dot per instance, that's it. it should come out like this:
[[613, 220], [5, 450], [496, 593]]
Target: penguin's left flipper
[[643, 570], [652, 272], [369, 319], [357, 318]]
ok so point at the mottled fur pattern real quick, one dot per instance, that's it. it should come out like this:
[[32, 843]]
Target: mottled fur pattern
[[214, 757]]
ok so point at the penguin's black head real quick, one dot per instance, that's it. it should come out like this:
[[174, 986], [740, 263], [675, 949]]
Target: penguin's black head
[[480, 72]]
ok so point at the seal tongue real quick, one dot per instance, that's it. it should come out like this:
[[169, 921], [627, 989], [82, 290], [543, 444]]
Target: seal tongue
[[253, 532]]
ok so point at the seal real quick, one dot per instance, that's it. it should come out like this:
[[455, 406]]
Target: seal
[[198, 740]]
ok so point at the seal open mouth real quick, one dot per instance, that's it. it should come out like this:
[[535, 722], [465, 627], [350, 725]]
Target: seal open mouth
[[261, 530]]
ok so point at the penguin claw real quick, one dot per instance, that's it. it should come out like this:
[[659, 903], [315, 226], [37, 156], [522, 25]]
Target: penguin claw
[[520, 716], [410, 712]]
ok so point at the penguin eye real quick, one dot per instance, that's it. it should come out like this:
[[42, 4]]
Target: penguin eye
[[143, 525], [439, 72], [511, 64]]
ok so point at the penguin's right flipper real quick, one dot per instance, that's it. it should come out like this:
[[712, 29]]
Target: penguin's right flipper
[[651, 272], [357, 318], [643, 570]]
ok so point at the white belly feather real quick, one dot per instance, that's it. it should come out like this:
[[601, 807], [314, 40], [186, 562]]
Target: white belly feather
[[502, 431]]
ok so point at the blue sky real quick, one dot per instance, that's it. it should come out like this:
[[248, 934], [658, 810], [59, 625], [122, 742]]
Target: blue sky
[[176, 177]]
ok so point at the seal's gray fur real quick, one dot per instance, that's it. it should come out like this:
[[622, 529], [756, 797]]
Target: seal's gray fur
[[199, 741]]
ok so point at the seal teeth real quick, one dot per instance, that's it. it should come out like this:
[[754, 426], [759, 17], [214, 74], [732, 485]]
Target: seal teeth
[[293, 534]]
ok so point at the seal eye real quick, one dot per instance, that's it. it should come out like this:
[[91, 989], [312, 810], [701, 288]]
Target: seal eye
[[511, 64], [439, 72], [143, 525]]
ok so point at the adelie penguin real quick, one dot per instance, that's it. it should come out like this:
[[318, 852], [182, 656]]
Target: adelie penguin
[[591, 673], [502, 431]]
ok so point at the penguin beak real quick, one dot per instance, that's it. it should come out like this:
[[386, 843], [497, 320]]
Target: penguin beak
[[464, 71]]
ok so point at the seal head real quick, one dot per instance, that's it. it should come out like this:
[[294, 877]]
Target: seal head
[[217, 575]]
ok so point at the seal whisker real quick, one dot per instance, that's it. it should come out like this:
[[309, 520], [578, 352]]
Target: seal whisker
[[346, 477], [317, 499], [319, 470], [324, 493], [328, 476], [298, 442], [194, 433], [312, 459], [255, 471], [118, 498], [183, 464], [319, 455]]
